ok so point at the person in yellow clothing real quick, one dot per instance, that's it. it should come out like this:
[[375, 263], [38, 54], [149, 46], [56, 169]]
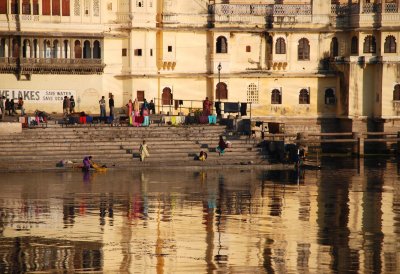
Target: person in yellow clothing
[[202, 156]]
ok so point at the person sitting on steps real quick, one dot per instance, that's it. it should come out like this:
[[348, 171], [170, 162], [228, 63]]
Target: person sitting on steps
[[221, 146]]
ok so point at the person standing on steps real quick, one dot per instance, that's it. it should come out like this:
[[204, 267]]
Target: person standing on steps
[[111, 106], [71, 104], [143, 151], [65, 106], [207, 107], [102, 103]]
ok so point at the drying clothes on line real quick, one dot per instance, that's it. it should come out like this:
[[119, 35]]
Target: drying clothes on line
[[212, 119], [180, 102], [231, 107], [176, 104], [243, 109], [218, 108]]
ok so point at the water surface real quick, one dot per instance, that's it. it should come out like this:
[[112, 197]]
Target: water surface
[[344, 218]]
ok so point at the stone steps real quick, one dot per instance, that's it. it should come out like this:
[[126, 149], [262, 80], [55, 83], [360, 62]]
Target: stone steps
[[119, 146]]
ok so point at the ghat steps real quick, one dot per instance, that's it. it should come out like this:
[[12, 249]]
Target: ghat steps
[[42, 148]]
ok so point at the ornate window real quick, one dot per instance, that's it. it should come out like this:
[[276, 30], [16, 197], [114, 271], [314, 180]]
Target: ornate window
[[35, 49], [77, 7], [334, 47], [330, 98], [66, 48], [96, 50], [303, 49], [304, 96], [252, 93], [87, 52], [15, 48], [47, 49], [222, 45], [369, 44], [354, 45], [87, 7], [78, 49], [222, 91], [396, 92], [276, 97], [166, 96], [26, 48], [96, 8], [390, 44], [280, 46], [55, 49]]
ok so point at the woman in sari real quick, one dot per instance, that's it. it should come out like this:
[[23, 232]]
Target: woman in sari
[[136, 113], [207, 107], [129, 105]]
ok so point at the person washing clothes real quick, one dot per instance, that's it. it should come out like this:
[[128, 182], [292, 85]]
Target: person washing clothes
[[143, 151]]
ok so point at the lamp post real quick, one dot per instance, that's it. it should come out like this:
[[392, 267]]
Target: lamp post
[[219, 81]]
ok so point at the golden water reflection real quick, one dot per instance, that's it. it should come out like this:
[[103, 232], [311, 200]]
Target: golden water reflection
[[343, 218]]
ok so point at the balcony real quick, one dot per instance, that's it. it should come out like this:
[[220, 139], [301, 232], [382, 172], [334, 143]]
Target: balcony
[[51, 66]]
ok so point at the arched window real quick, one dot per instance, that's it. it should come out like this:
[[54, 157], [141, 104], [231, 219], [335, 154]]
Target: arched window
[[66, 49], [276, 97], [35, 49], [303, 49], [280, 46], [26, 48], [221, 91], [304, 96], [396, 93], [354, 45], [369, 44], [65, 7], [96, 50], [166, 96], [222, 45], [46, 49], [78, 49], [15, 51], [55, 48], [2, 47], [334, 47], [87, 52], [330, 98], [390, 44]]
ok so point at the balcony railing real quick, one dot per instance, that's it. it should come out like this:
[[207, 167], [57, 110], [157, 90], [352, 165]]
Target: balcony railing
[[368, 8], [51, 65], [260, 10]]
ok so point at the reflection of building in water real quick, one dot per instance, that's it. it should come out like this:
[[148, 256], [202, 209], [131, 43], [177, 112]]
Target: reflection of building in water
[[29, 254], [345, 220]]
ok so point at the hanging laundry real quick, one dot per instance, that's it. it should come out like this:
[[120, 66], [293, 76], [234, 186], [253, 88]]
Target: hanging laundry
[[231, 107], [176, 104], [243, 109]]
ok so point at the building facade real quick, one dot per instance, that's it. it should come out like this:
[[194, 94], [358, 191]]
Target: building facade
[[319, 60]]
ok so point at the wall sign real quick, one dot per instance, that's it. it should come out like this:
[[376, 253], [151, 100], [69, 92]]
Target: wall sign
[[39, 96]]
